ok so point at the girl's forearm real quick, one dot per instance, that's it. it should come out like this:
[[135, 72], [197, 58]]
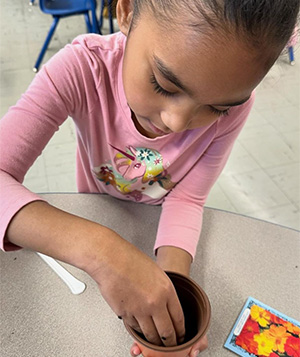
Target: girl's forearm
[[78, 241], [41, 227], [174, 259], [132, 284]]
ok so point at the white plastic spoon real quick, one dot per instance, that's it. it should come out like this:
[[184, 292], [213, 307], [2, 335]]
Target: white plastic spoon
[[76, 286]]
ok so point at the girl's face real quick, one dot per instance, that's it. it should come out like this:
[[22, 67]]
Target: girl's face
[[179, 80]]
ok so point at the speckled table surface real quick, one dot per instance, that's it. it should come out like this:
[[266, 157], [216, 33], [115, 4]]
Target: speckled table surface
[[237, 257]]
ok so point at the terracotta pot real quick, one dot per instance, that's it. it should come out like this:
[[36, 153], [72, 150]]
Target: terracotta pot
[[197, 312]]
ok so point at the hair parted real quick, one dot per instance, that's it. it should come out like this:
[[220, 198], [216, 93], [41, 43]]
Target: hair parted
[[257, 22]]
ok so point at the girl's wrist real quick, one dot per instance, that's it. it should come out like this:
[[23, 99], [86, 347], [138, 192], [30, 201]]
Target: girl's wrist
[[174, 259]]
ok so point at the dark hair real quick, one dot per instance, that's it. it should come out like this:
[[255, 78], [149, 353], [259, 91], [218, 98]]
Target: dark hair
[[259, 23]]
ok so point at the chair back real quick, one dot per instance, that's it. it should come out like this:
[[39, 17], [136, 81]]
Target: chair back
[[67, 7]]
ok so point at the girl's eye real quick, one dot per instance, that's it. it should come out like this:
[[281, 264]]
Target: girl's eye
[[158, 89], [219, 112]]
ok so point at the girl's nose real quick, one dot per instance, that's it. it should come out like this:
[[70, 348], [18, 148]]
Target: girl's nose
[[177, 119]]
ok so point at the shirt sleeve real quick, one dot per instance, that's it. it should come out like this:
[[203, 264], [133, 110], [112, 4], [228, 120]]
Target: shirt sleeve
[[28, 126], [181, 218]]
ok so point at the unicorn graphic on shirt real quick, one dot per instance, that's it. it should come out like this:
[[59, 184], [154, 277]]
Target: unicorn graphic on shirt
[[136, 172]]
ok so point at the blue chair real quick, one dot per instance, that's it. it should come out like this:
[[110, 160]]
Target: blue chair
[[63, 8], [291, 55], [109, 4]]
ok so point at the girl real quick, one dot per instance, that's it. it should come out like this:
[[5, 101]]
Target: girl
[[157, 108]]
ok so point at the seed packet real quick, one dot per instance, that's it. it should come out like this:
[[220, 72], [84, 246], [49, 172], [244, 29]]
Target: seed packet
[[261, 331]]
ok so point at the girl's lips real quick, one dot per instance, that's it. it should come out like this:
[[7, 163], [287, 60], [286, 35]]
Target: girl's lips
[[155, 129]]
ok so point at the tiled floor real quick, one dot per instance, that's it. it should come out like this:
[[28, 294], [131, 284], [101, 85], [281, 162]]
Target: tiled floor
[[262, 177]]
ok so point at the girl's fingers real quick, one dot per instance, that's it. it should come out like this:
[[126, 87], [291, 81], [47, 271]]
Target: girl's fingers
[[177, 316], [135, 351], [165, 329], [199, 347], [132, 322], [149, 330]]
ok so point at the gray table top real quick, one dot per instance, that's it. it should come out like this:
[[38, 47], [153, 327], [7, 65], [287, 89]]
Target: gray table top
[[237, 257]]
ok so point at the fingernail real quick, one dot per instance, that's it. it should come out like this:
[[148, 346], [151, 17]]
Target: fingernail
[[136, 351], [196, 353]]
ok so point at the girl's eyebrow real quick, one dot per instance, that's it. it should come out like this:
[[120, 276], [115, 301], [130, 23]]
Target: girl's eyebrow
[[171, 76]]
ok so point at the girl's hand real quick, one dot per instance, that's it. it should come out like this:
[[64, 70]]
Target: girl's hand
[[134, 286], [197, 348], [179, 261], [139, 292]]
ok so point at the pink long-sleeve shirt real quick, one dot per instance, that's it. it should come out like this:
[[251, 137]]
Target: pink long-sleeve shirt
[[84, 81]]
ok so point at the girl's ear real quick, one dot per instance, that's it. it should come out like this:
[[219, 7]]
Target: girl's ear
[[124, 15]]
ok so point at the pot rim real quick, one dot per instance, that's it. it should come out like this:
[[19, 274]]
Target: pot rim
[[189, 343]]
